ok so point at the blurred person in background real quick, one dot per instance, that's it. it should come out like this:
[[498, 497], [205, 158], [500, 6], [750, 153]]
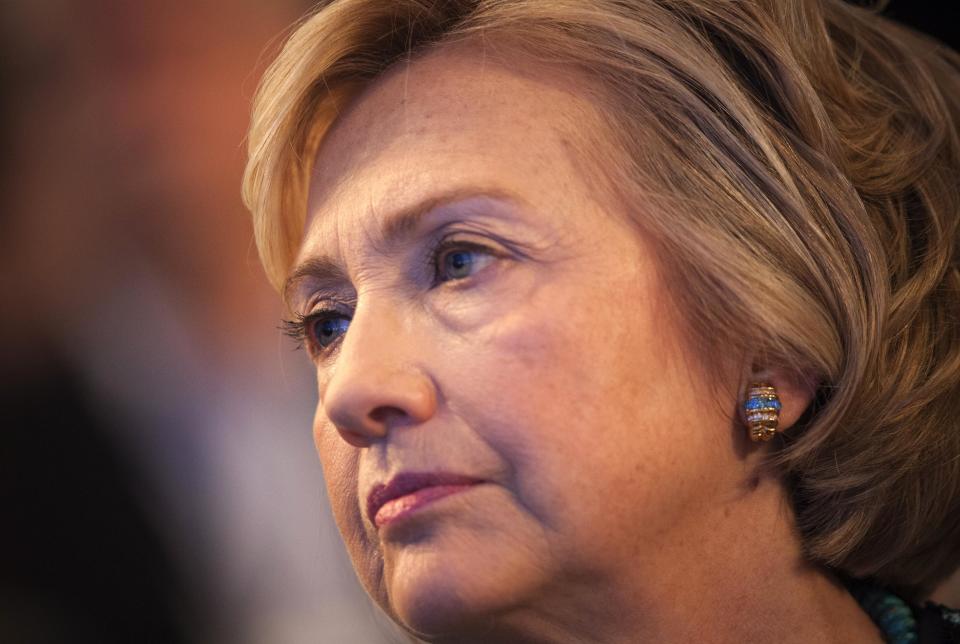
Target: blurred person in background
[[158, 486]]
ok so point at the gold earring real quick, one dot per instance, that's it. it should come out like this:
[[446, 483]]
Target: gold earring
[[762, 410]]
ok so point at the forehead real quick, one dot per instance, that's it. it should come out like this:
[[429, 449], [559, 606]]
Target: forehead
[[453, 119]]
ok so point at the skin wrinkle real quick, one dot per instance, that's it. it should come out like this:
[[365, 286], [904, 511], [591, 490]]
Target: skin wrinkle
[[397, 234]]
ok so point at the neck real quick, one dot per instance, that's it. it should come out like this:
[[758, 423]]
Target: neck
[[743, 580]]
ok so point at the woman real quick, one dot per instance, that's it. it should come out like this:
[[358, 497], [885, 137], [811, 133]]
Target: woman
[[566, 268]]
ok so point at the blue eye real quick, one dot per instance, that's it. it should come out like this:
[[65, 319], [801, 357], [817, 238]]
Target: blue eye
[[459, 260], [318, 330], [458, 264], [326, 327]]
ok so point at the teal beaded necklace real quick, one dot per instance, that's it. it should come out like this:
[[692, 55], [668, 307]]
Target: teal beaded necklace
[[890, 613]]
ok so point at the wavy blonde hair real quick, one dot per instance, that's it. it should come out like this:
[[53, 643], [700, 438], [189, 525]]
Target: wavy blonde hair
[[798, 164]]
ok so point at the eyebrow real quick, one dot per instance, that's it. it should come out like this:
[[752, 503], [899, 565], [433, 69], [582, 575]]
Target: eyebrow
[[393, 230]]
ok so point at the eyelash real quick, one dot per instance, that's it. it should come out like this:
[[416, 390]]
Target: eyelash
[[299, 329]]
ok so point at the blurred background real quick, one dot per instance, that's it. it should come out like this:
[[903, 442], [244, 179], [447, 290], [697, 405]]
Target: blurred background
[[157, 470]]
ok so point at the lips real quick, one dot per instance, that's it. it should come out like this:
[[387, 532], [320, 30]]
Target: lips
[[407, 483]]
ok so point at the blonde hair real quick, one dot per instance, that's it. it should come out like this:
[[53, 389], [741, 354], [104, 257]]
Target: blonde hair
[[797, 161]]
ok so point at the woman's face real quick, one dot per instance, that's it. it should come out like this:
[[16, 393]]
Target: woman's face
[[497, 319]]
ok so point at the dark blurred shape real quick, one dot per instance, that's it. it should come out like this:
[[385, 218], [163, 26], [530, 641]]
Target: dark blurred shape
[[81, 562], [939, 18]]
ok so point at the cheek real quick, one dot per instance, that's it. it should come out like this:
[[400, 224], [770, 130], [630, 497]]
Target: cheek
[[570, 353], [340, 462], [339, 473], [587, 404], [542, 387]]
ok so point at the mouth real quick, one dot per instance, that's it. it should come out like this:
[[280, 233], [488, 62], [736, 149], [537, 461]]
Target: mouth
[[408, 491]]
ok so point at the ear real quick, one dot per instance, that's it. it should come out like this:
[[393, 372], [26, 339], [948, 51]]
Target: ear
[[795, 390]]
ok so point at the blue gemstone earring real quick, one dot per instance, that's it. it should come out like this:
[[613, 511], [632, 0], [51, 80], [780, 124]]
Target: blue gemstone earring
[[762, 410]]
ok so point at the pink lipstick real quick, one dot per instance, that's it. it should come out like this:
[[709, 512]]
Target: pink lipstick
[[407, 492]]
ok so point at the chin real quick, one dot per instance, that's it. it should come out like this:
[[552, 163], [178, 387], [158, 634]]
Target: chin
[[458, 598], [435, 614], [434, 599]]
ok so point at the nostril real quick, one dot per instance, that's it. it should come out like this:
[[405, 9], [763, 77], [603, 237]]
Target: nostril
[[383, 413]]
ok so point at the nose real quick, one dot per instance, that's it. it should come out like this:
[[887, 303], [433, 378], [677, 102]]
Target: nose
[[376, 383]]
